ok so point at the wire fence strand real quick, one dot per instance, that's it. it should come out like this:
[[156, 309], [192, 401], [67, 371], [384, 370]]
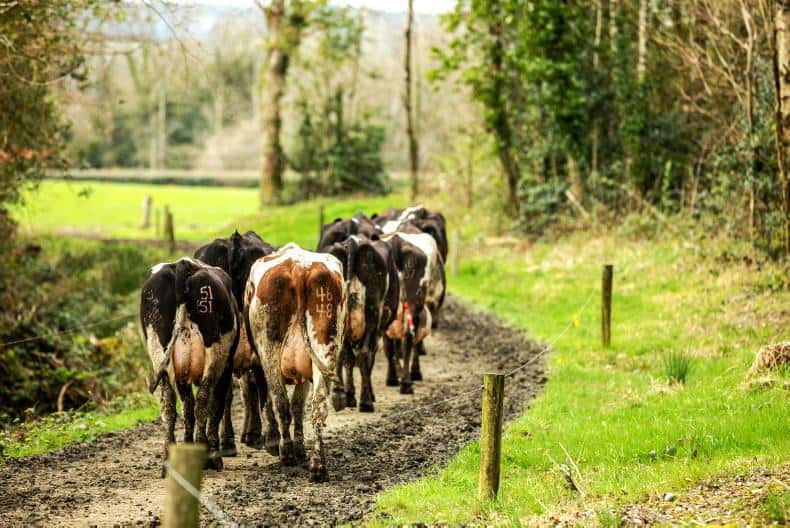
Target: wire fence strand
[[72, 330]]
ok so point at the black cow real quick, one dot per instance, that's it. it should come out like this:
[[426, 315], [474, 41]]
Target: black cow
[[339, 230], [190, 323], [236, 255], [421, 281], [373, 291]]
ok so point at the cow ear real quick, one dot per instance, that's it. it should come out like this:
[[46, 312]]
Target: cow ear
[[374, 216], [336, 220]]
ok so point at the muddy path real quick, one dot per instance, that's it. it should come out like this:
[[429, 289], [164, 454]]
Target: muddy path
[[115, 480]]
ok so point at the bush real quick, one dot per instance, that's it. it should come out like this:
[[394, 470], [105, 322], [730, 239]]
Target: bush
[[65, 311]]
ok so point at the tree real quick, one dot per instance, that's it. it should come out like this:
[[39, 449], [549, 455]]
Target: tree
[[407, 100], [782, 88], [284, 25], [40, 48]]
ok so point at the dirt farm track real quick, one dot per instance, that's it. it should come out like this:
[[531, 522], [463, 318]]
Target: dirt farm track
[[115, 481]]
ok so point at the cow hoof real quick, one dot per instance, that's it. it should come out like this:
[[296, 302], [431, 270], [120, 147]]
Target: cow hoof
[[416, 376], [392, 382], [287, 455], [365, 407], [272, 442], [300, 453], [228, 450], [406, 388], [422, 352], [318, 473], [351, 401], [254, 441], [214, 461], [338, 401]]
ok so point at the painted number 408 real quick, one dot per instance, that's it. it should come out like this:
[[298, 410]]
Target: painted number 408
[[205, 303]]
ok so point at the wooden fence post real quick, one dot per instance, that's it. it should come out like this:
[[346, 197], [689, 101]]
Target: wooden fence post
[[182, 509], [169, 231], [146, 221], [606, 305], [157, 222], [491, 435], [320, 221]]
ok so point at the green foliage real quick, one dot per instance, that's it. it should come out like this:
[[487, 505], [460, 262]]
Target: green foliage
[[676, 366], [54, 299], [335, 151], [41, 46]]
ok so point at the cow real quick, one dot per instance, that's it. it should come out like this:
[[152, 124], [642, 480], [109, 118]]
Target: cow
[[295, 302], [432, 223], [339, 230], [190, 322], [236, 255], [373, 292], [422, 285]]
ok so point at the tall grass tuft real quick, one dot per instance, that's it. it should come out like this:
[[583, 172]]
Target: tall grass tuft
[[676, 366]]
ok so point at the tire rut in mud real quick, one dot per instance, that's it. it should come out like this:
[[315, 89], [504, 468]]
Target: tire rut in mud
[[115, 480]]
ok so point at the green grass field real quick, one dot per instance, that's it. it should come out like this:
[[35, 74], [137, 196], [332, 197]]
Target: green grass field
[[629, 430], [200, 213]]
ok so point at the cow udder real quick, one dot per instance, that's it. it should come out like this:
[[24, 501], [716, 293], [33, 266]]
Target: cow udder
[[189, 354]]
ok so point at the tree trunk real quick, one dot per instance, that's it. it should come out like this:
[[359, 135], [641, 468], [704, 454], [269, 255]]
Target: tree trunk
[[596, 132], [407, 98], [500, 120], [641, 64], [782, 116], [613, 26], [751, 172], [575, 179], [272, 92]]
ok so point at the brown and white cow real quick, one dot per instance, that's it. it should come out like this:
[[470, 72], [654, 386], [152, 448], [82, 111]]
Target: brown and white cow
[[296, 304], [190, 323]]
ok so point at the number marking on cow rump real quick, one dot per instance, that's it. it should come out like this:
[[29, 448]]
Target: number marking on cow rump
[[205, 304]]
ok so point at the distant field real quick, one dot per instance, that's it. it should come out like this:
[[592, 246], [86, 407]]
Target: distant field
[[115, 210]]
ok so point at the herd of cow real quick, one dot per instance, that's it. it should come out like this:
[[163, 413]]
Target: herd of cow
[[274, 317]]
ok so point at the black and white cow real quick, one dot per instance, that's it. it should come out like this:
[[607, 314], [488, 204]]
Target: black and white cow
[[373, 295], [339, 230], [190, 323], [236, 255], [421, 280], [432, 223]]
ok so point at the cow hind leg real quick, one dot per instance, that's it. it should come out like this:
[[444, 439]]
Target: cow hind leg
[[167, 409], [228, 435], [255, 384], [392, 372], [298, 399], [407, 344], [421, 346], [338, 397], [278, 395], [416, 373], [365, 362], [319, 412], [201, 413], [188, 399], [348, 364], [218, 391]]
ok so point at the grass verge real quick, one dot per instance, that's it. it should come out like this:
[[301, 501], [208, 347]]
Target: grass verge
[[60, 429], [612, 410]]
